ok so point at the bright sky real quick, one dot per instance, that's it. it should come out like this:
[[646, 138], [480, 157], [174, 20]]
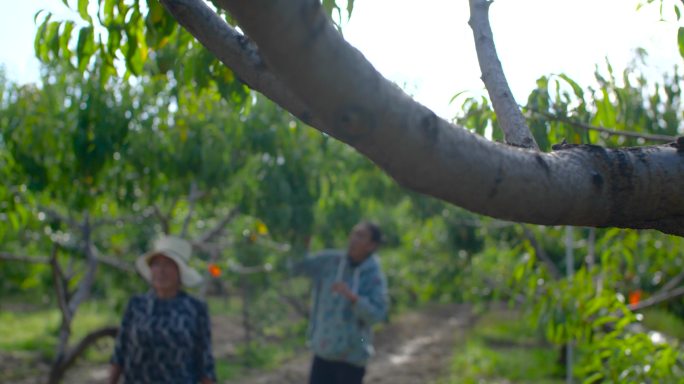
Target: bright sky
[[427, 46]]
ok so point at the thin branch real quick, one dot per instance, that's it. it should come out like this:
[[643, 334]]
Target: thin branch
[[113, 262], [60, 287], [670, 284], [541, 253], [301, 308], [591, 249], [85, 285], [24, 259], [194, 195], [612, 132], [147, 213], [106, 260], [164, 220], [242, 270], [512, 122], [218, 228], [50, 212], [279, 247], [658, 299]]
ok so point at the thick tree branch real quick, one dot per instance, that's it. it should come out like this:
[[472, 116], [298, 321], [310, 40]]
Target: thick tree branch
[[88, 340], [238, 52], [69, 358], [508, 114], [581, 186]]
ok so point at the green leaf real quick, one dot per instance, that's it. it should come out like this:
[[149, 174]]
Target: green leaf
[[83, 11], [113, 41], [64, 39], [595, 378], [52, 38], [38, 42], [680, 40], [329, 6], [454, 97], [35, 17], [14, 220], [350, 8], [109, 11], [85, 47], [575, 87]]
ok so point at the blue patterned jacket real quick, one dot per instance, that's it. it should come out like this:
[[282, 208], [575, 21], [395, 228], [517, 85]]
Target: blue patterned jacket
[[164, 341], [338, 329]]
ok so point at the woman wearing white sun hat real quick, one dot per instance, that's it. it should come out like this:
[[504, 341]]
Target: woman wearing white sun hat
[[165, 336]]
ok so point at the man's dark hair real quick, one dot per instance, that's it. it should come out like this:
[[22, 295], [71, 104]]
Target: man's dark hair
[[376, 232]]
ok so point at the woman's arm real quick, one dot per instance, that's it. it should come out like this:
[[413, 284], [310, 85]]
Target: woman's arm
[[312, 265]]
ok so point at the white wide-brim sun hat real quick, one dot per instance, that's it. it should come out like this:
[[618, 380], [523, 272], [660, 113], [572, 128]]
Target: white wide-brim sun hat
[[176, 249]]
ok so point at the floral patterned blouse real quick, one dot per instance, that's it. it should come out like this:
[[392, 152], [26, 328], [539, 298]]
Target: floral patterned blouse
[[165, 341]]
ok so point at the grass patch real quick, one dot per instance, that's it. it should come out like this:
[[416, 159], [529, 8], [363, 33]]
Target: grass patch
[[36, 331], [261, 357], [504, 348], [224, 305]]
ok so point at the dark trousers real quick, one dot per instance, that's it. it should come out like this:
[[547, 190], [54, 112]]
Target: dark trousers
[[335, 372]]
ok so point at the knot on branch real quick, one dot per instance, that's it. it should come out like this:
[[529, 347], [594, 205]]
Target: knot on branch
[[563, 145], [679, 144], [352, 122]]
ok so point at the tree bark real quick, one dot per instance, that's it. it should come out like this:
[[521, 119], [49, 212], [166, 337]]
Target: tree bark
[[512, 122], [340, 93]]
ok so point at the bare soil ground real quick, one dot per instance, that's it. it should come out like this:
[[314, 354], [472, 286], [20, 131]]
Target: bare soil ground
[[414, 348]]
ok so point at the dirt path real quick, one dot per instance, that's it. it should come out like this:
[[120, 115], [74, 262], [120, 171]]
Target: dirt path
[[413, 349]]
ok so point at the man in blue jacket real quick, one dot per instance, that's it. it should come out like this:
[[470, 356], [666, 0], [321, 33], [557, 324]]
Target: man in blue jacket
[[349, 296]]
